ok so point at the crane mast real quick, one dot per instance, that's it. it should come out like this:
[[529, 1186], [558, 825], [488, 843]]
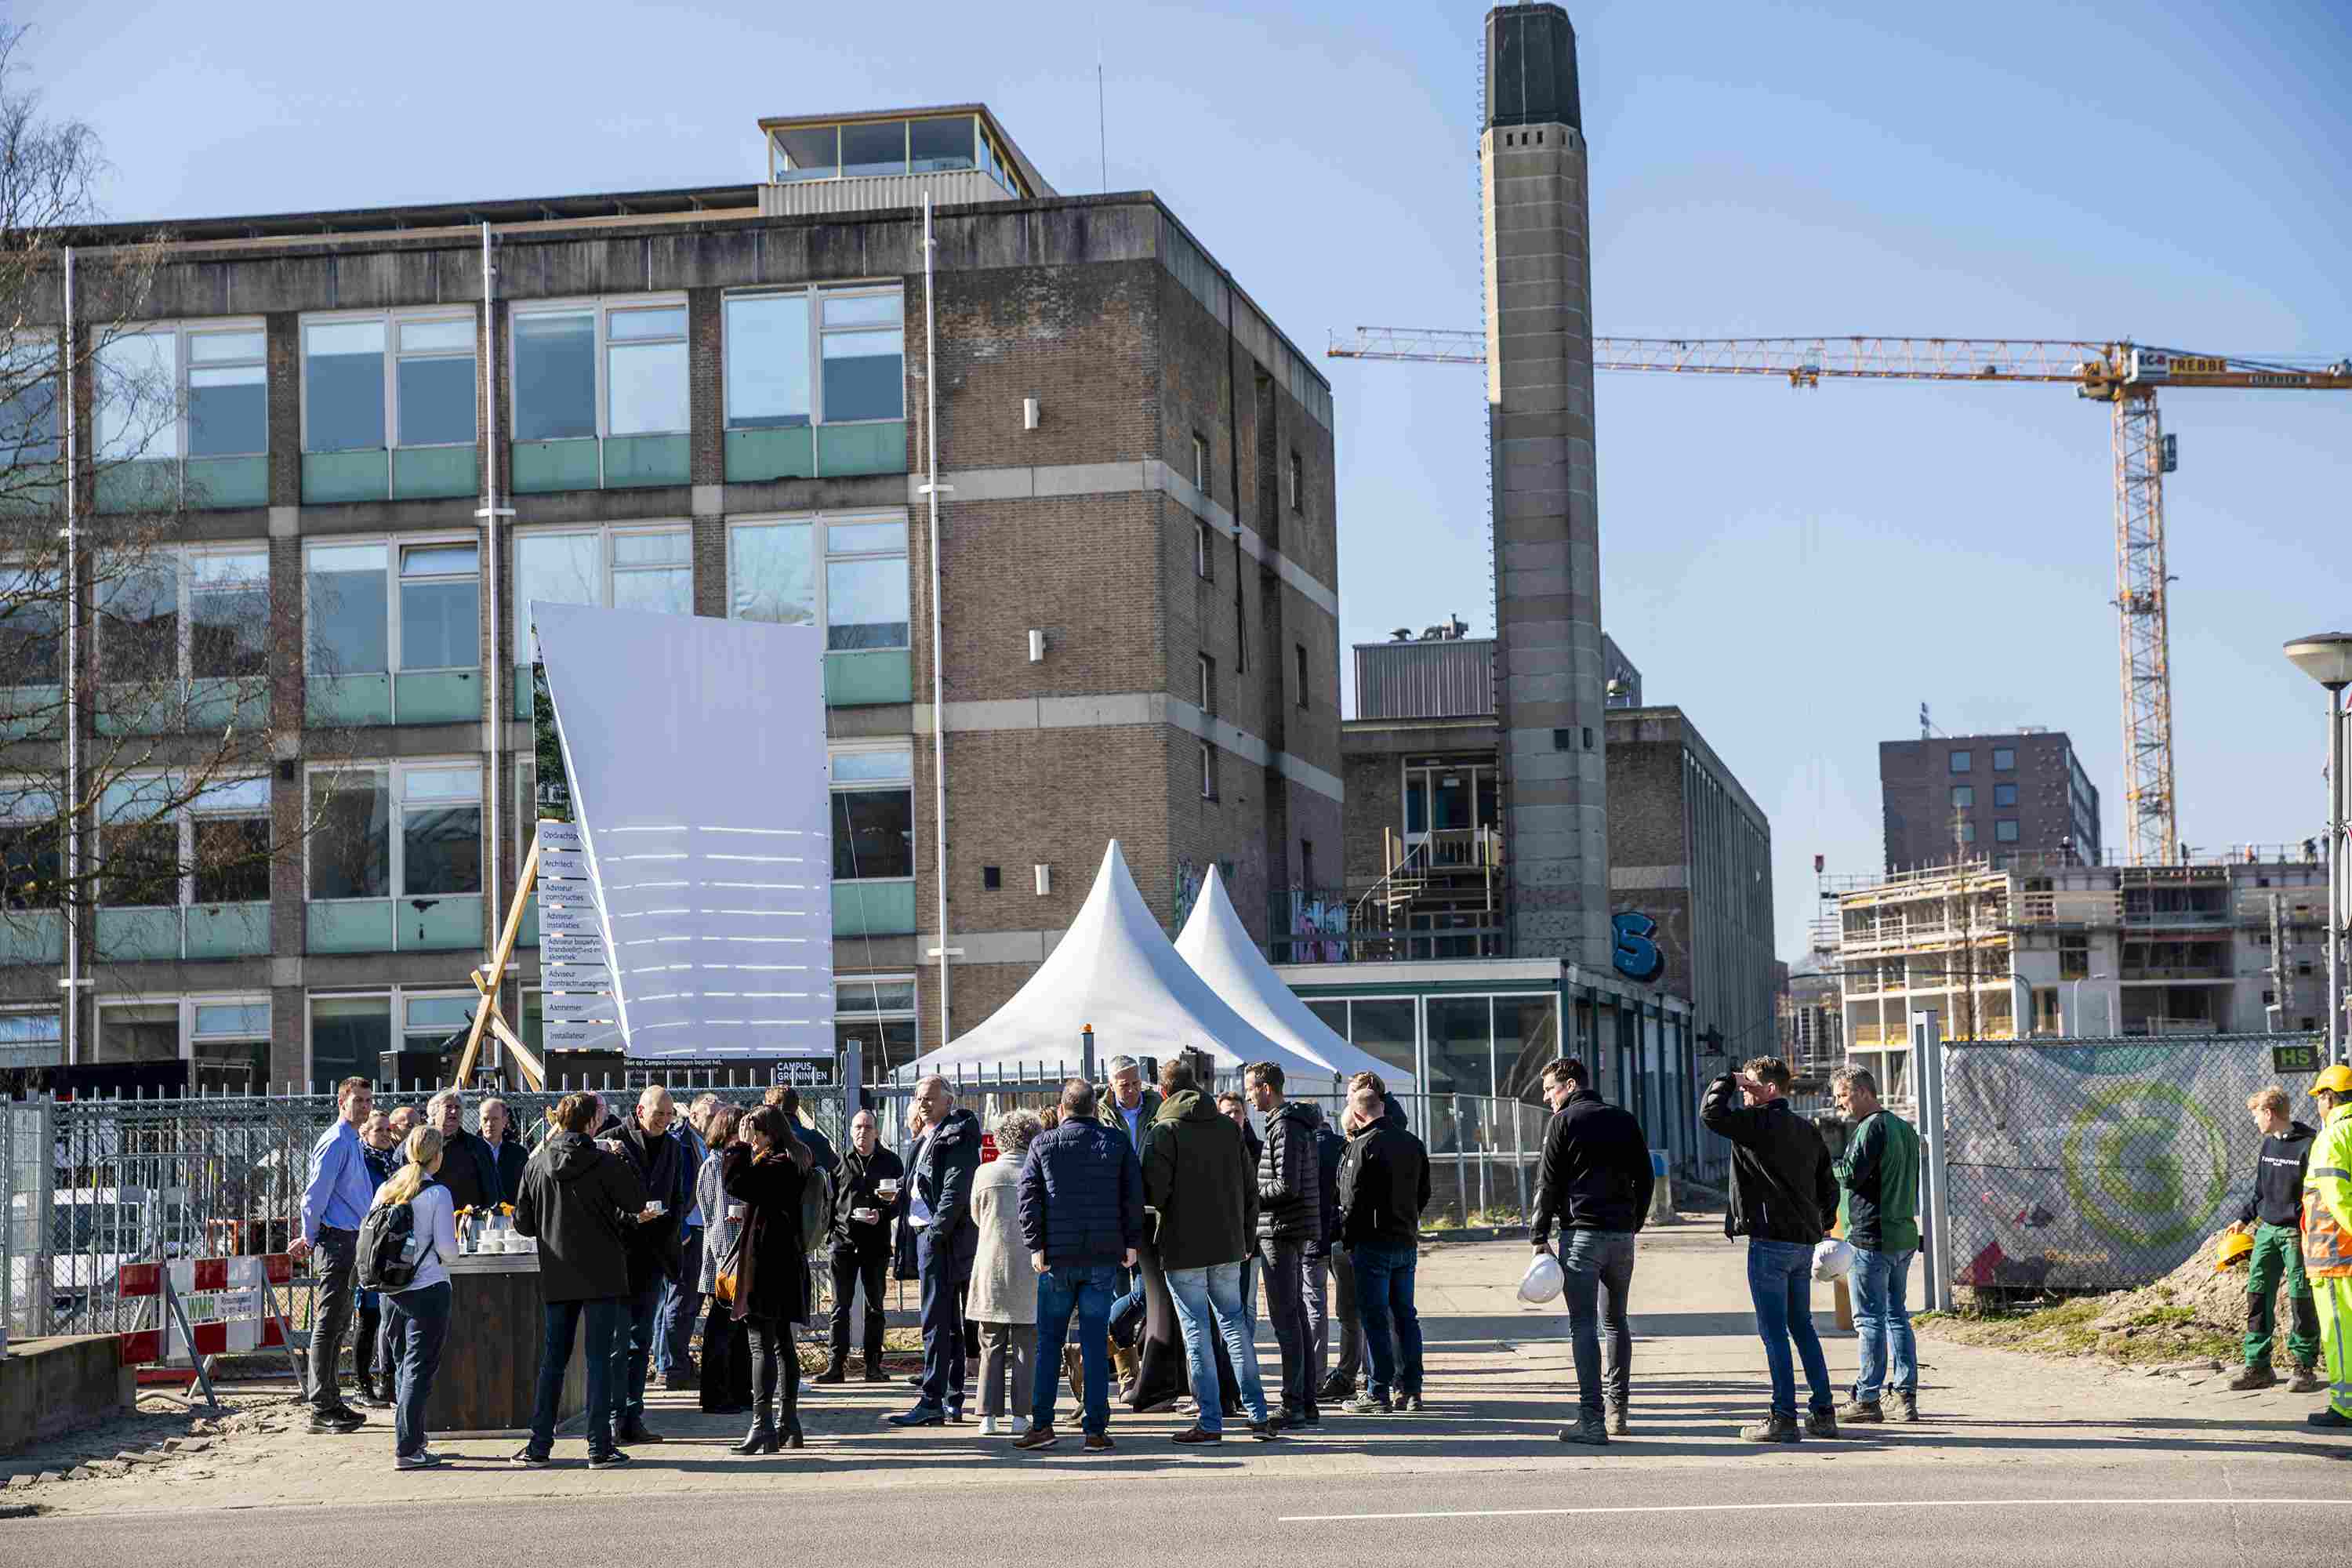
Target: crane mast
[[2122, 373]]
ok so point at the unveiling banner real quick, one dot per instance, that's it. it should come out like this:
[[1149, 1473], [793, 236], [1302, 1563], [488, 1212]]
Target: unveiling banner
[[696, 752], [2098, 1166]]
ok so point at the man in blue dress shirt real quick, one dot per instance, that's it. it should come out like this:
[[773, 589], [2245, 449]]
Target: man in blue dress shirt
[[333, 1204]]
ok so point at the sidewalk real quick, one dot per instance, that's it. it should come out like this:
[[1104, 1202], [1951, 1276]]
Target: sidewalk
[[1500, 1381]]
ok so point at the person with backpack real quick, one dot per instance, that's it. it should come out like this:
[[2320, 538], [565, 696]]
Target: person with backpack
[[404, 1242]]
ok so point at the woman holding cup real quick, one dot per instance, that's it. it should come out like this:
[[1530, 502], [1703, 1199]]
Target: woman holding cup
[[765, 1170]]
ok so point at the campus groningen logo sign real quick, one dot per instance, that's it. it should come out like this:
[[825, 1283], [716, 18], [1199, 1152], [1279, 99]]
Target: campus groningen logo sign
[[2147, 1165]]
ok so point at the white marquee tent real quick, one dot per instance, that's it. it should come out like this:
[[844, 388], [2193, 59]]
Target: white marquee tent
[[1114, 969], [1218, 948]]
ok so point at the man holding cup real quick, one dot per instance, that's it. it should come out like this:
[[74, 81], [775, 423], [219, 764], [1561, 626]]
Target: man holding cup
[[660, 1164], [864, 1195]]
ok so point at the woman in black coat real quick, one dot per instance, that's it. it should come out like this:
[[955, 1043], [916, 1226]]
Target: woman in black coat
[[765, 1170]]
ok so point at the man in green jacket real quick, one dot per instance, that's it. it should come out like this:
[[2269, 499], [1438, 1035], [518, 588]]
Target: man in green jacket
[[1879, 1182], [1197, 1176]]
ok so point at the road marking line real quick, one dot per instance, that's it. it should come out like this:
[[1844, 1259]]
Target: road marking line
[[1814, 1507]]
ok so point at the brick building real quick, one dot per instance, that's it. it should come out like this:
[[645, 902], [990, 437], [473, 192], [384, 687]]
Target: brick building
[[2022, 794], [715, 400]]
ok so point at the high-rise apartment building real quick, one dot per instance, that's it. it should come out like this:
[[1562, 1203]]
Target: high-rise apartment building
[[1949, 797], [720, 401]]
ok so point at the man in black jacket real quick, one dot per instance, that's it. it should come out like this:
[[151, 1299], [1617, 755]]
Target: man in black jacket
[[1383, 1187], [938, 1206], [1289, 1221], [858, 1244], [581, 1202], [2272, 1215], [1596, 1182], [506, 1150], [468, 1169], [660, 1164], [1783, 1195]]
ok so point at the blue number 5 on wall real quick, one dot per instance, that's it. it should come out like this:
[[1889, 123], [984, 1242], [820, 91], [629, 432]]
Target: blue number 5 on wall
[[1637, 957]]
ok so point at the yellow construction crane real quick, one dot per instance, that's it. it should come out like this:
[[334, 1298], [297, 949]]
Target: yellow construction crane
[[2124, 374]]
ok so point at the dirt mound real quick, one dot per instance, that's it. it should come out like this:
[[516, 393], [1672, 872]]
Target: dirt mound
[[2192, 1294]]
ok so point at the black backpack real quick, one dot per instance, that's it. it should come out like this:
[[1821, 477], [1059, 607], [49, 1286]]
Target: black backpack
[[384, 1262]]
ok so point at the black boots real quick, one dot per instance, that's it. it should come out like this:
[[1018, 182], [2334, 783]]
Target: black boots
[[761, 1438], [836, 1370], [792, 1425]]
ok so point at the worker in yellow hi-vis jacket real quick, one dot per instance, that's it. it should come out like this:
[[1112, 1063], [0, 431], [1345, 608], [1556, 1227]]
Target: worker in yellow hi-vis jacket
[[2327, 1241]]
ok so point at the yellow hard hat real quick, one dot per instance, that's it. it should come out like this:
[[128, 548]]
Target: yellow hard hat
[[2236, 1248], [2337, 1078]]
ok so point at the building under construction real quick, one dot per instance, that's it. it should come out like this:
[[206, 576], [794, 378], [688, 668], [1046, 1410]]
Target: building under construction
[[2046, 946]]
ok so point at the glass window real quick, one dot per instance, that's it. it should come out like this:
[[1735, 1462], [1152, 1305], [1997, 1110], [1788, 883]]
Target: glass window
[[437, 383], [349, 609], [440, 606], [146, 1032], [350, 843], [1964, 794], [554, 376], [808, 152], [1960, 762], [1386, 1030], [653, 572], [650, 569], [2004, 794], [232, 1018], [865, 377], [31, 851], [232, 855], [767, 361], [342, 379], [228, 393], [1526, 1040], [2004, 830], [137, 394], [1201, 555], [139, 618], [875, 147], [349, 1036], [772, 573], [867, 766], [866, 603], [1461, 1056], [31, 622], [141, 863], [645, 371], [873, 832], [554, 569], [229, 614], [441, 831], [2004, 758], [1968, 833], [29, 428], [945, 144], [860, 996]]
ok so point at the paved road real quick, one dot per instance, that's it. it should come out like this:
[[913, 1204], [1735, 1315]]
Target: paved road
[[1212, 1512]]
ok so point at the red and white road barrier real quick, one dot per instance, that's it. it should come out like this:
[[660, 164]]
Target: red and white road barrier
[[225, 1301]]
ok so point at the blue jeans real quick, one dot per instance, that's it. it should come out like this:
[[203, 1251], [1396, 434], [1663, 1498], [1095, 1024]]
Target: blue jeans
[[943, 1344], [563, 1318], [420, 1322], [1085, 1290], [1881, 1319], [633, 1346], [1598, 1266], [681, 1303], [1384, 1301], [1127, 1306], [1216, 1293], [1780, 1283]]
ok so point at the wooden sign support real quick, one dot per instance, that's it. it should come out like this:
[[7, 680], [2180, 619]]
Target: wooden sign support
[[487, 980]]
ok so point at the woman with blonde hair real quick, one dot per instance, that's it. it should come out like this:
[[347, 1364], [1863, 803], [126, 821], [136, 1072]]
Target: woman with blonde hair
[[1003, 1301], [417, 1316]]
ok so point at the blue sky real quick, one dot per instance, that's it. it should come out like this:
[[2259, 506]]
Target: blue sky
[[1798, 571]]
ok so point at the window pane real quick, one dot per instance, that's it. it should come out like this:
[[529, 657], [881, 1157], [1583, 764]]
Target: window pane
[[647, 382], [351, 846], [1459, 1062], [441, 784], [343, 381], [943, 143], [865, 538], [873, 834], [226, 348], [443, 846], [810, 152], [32, 612], [29, 860], [228, 411], [348, 1038], [772, 574], [767, 361], [672, 547], [233, 1019], [437, 401], [554, 569], [140, 862], [139, 629], [555, 376], [436, 337], [886, 310], [137, 394], [853, 996], [440, 625], [1960, 760], [232, 864], [2003, 759], [878, 147], [229, 616], [144, 1034], [349, 611], [668, 592], [1386, 1030], [851, 767], [663, 321], [29, 403], [865, 604], [242, 796], [438, 1012], [863, 376], [439, 560]]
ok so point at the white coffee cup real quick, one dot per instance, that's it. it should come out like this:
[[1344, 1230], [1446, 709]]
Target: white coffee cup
[[737, 1210], [657, 1206]]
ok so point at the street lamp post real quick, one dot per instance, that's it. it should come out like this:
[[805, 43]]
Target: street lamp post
[[2328, 659], [2075, 1002]]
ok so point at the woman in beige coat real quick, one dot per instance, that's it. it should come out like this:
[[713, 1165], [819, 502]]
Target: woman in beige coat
[[1003, 1299]]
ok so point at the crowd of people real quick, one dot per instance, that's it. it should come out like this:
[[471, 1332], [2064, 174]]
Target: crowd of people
[[1121, 1239]]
